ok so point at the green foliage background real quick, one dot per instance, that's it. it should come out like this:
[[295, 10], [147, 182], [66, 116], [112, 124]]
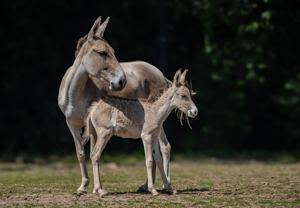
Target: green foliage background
[[243, 58]]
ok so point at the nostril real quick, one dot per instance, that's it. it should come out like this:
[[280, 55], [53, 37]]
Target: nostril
[[195, 111], [120, 82]]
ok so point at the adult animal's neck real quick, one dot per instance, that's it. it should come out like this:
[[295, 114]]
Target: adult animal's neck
[[77, 83]]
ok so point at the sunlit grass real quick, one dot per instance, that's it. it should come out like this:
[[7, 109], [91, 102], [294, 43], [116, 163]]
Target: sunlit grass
[[200, 184]]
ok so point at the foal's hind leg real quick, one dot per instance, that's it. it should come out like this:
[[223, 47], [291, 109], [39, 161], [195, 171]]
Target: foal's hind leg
[[76, 133], [103, 136]]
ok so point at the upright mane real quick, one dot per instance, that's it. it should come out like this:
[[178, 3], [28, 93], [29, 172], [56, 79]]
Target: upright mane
[[79, 44]]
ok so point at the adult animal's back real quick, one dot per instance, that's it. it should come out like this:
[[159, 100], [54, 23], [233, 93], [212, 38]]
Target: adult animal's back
[[143, 81]]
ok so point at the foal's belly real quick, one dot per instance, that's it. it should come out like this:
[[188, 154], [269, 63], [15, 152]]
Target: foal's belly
[[129, 121], [132, 132]]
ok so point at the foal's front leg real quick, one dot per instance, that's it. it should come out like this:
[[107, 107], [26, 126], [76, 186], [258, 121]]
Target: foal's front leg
[[165, 149], [148, 147], [103, 136], [159, 162], [144, 187]]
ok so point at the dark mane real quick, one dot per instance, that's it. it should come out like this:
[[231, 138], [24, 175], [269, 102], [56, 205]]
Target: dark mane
[[80, 43]]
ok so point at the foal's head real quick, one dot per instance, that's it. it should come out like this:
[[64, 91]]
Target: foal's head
[[99, 59], [182, 98]]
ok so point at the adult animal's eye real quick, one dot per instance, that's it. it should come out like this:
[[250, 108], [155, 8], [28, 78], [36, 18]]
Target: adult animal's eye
[[103, 54]]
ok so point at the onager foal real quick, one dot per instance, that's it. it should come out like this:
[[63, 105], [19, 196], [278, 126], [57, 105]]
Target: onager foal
[[137, 119]]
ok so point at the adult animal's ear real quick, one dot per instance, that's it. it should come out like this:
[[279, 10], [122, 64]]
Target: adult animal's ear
[[182, 77], [94, 28], [100, 30], [176, 78]]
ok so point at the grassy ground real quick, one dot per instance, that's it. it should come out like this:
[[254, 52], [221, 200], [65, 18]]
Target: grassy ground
[[199, 184]]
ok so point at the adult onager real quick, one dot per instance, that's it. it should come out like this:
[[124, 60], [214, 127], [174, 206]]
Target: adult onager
[[137, 119], [95, 72]]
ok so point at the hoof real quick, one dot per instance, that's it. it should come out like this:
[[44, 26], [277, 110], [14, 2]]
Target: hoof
[[153, 191], [169, 191], [100, 192], [80, 192]]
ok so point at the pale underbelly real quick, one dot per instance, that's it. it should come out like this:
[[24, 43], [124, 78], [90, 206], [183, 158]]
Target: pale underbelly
[[128, 133]]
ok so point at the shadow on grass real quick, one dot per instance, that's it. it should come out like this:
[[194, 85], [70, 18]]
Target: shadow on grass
[[192, 190], [179, 192], [127, 192]]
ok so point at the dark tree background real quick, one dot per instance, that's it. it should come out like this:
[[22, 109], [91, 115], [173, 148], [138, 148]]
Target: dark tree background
[[243, 58]]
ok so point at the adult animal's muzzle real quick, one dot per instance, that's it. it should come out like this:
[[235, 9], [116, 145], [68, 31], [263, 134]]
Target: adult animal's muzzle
[[118, 82]]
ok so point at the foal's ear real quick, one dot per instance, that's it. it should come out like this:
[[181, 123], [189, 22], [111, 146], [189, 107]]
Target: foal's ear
[[100, 30], [177, 78], [182, 77], [94, 28]]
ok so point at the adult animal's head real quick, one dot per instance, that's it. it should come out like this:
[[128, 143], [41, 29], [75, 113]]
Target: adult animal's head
[[98, 58]]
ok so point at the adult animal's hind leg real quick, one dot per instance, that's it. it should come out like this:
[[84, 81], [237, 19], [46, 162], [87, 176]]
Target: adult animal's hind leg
[[103, 136], [76, 133]]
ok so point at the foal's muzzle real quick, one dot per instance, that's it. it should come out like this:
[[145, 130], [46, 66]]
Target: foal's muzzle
[[193, 112]]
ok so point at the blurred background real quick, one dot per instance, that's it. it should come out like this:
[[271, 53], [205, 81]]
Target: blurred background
[[243, 56]]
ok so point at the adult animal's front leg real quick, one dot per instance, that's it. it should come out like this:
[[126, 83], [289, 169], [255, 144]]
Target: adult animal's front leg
[[76, 133]]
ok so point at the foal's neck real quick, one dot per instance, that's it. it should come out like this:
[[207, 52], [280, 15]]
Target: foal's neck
[[162, 107]]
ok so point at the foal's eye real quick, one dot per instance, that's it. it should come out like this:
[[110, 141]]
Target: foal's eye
[[183, 96]]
